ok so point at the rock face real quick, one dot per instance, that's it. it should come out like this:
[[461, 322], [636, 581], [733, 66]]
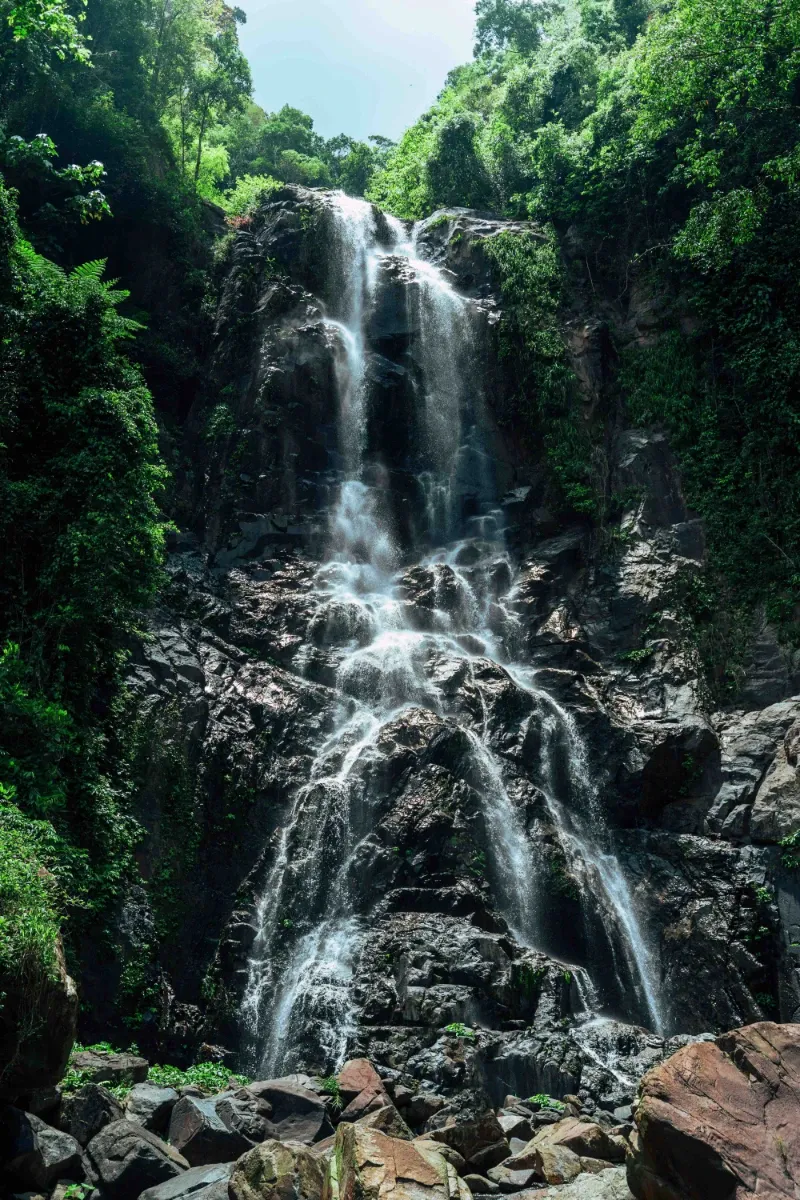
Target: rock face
[[721, 1121], [368, 1165], [543, 676], [36, 1036], [219, 1129], [34, 1155], [277, 1171], [85, 1112], [129, 1160], [102, 1066]]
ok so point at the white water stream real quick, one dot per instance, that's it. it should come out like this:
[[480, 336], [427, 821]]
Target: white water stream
[[386, 665]]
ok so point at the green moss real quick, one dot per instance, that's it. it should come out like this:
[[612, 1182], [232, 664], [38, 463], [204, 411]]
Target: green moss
[[544, 406]]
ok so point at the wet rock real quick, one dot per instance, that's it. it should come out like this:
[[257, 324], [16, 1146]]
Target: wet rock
[[721, 1120], [277, 1171], [103, 1066], [298, 1115], [198, 1183], [219, 1129], [129, 1160], [85, 1112], [515, 1124], [776, 809], [34, 1155], [371, 1165], [151, 1106]]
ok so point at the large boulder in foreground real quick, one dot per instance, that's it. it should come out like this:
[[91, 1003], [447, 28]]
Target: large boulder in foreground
[[277, 1171], [368, 1165], [298, 1115], [721, 1120], [85, 1112], [609, 1185], [106, 1066], [129, 1159], [38, 1027], [33, 1156]]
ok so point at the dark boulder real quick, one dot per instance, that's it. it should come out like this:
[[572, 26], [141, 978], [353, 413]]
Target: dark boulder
[[129, 1160], [103, 1066], [298, 1115], [36, 1036], [34, 1155], [85, 1112], [218, 1129], [199, 1183], [151, 1106]]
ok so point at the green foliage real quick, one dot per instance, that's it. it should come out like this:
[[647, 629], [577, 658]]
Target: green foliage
[[504, 23], [30, 903], [330, 1086], [459, 1030], [541, 1100], [211, 1077], [665, 138], [545, 405], [790, 851], [250, 190]]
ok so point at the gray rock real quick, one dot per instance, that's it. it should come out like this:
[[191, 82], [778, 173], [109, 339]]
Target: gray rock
[[102, 1066], [608, 1185], [85, 1112], [198, 1183], [35, 1155], [199, 1130], [129, 1160], [151, 1106], [298, 1115], [480, 1186], [509, 1180]]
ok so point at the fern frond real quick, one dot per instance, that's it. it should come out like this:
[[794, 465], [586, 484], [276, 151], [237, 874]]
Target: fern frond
[[37, 263], [90, 270]]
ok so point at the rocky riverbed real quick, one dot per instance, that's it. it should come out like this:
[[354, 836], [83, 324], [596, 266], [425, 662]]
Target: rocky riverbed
[[716, 1120]]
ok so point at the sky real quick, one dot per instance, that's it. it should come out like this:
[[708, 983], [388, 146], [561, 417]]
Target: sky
[[356, 66]]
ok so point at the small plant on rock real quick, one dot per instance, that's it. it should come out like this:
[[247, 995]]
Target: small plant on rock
[[459, 1030], [541, 1100], [330, 1086]]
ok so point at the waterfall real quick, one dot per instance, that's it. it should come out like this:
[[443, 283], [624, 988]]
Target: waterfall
[[299, 1008]]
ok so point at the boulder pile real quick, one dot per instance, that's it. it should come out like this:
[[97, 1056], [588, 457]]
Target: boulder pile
[[719, 1120]]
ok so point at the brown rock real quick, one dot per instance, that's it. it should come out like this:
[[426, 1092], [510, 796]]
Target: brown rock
[[370, 1100], [721, 1121], [277, 1171], [367, 1165], [583, 1137], [447, 1152], [357, 1076], [388, 1121]]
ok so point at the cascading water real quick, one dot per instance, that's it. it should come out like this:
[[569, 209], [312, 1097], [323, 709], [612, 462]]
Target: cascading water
[[299, 1006]]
